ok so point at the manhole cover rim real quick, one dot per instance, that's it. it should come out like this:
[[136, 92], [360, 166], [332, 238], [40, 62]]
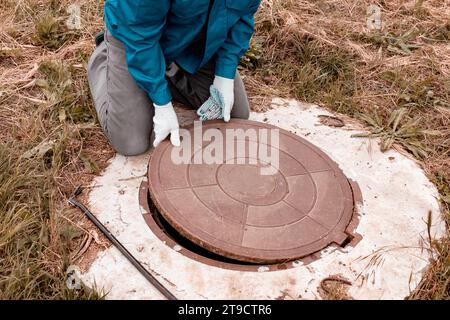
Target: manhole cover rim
[[336, 235]]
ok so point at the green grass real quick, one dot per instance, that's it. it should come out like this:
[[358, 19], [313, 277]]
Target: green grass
[[396, 80], [396, 130], [50, 32], [49, 142], [28, 221]]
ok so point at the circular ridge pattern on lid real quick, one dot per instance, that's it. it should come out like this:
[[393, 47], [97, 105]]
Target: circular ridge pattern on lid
[[233, 210]]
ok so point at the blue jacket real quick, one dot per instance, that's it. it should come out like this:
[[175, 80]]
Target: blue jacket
[[159, 32]]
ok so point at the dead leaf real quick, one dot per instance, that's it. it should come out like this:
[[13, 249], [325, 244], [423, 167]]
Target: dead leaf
[[40, 150], [331, 121]]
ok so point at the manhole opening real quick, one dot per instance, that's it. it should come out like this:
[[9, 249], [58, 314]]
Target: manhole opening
[[184, 242], [347, 241], [232, 214], [171, 237]]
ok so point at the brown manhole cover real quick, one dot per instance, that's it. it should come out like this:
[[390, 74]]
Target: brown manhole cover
[[232, 210]]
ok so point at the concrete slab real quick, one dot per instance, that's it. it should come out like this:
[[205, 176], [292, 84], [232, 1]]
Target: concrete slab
[[386, 264]]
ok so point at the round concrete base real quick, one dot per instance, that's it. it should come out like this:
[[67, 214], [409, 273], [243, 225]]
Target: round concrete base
[[386, 264]]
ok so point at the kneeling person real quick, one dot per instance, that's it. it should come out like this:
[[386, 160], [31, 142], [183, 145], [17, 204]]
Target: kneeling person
[[157, 51]]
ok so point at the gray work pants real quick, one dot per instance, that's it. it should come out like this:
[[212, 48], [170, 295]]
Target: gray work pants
[[125, 111]]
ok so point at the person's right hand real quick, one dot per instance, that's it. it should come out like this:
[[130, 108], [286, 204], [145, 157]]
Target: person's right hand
[[165, 123]]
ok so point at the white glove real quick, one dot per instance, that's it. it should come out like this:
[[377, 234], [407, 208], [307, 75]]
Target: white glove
[[226, 88], [165, 122]]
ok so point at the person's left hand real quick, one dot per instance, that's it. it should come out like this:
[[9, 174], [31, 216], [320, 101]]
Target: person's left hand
[[226, 88]]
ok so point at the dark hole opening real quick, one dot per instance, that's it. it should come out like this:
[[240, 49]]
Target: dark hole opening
[[186, 243], [347, 241]]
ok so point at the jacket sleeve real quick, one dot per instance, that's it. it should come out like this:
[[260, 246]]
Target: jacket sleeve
[[140, 26], [236, 45]]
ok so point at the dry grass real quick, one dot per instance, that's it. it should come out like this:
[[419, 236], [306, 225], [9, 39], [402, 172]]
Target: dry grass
[[49, 143], [397, 80], [335, 288]]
